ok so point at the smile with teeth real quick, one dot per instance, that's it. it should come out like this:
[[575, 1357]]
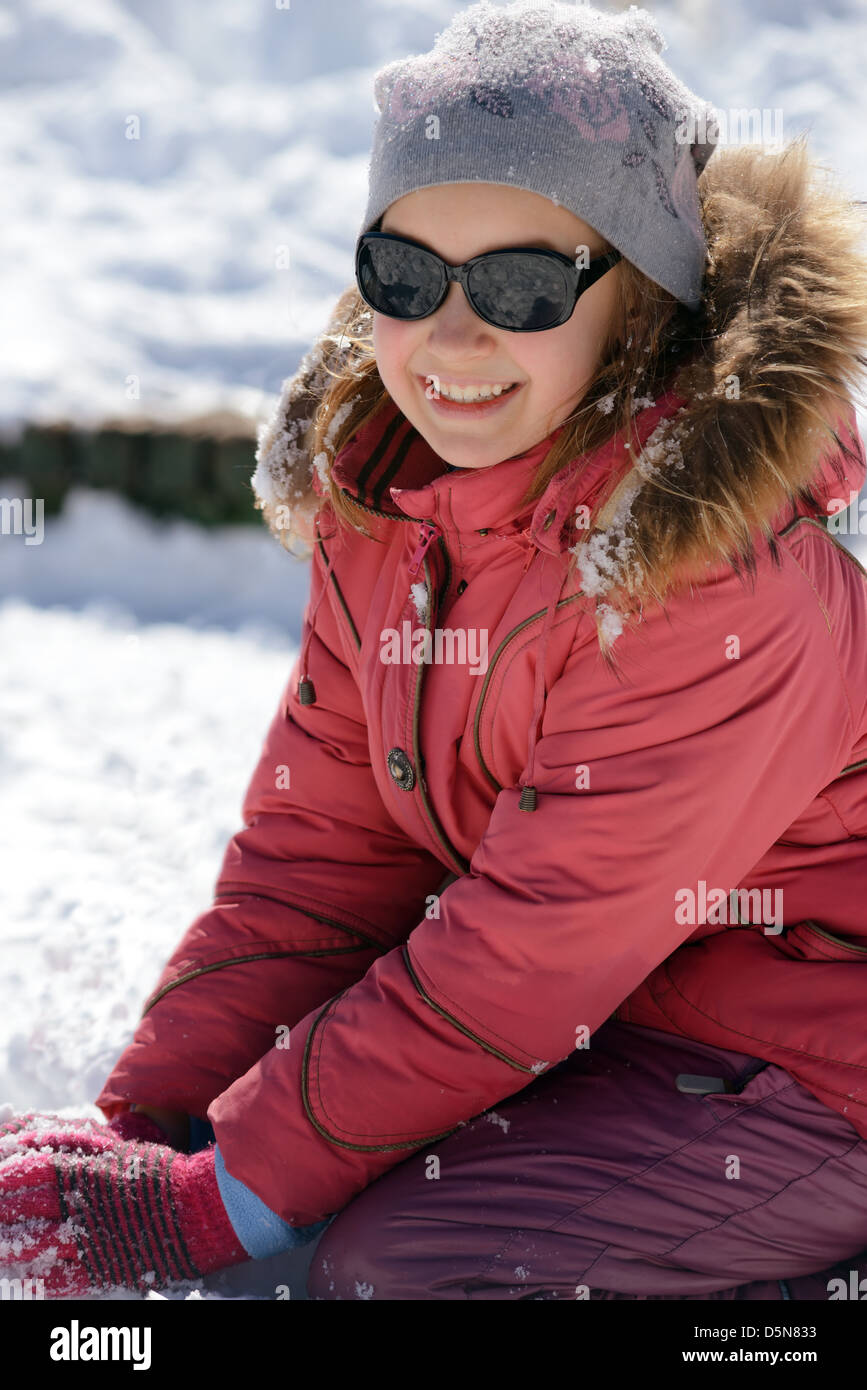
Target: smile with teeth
[[474, 393]]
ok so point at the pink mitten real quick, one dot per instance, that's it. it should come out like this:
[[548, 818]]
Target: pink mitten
[[87, 1206]]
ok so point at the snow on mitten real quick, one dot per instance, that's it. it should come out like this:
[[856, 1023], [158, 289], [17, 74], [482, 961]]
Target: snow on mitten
[[87, 1206]]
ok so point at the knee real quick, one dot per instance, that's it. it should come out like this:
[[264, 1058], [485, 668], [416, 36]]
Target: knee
[[353, 1260], [381, 1249]]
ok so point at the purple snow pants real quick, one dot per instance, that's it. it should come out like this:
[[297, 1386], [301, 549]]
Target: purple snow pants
[[603, 1179]]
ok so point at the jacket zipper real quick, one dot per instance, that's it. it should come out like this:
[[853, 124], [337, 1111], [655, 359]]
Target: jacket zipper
[[448, 583], [428, 532], [422, 547], [456, 858]]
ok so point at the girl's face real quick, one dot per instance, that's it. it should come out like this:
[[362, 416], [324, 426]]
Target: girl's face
[[457, 348]]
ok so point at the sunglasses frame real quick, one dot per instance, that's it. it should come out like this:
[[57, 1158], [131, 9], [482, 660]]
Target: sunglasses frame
[[577, 281]]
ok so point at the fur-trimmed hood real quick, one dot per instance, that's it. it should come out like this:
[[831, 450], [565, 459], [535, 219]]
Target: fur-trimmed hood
[[767, 413]]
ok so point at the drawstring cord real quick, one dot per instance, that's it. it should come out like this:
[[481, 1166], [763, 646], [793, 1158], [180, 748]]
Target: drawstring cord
[[306, 688]]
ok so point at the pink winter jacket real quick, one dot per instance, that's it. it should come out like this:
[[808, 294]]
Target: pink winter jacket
[[403, 934], [409, 1013]]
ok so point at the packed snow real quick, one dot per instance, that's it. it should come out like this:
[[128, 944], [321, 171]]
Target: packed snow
[[126, 743], [183, 189]]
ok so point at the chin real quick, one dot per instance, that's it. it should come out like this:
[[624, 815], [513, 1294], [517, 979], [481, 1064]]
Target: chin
[[473, 456]]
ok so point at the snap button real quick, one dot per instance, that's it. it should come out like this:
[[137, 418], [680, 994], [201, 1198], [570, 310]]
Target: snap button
[[483, 531], [548, 520], [401, 769], [462, 586]]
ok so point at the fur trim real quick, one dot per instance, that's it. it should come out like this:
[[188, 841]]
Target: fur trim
[[783, 359], [284, 468]]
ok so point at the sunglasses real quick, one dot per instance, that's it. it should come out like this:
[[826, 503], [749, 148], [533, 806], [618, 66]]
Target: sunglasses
[[523, 289]]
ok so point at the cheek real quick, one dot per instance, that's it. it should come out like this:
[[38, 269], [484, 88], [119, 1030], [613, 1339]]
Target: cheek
[[393, 344], [585, 342], [558, 367]]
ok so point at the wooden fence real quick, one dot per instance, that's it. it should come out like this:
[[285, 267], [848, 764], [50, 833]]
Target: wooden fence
[[200, 469]]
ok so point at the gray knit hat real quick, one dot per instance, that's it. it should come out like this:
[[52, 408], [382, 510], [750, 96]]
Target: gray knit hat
[[564, 100]]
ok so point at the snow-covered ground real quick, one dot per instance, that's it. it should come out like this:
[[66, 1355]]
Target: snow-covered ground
[[142, 660], [157, 569], [129, 728]]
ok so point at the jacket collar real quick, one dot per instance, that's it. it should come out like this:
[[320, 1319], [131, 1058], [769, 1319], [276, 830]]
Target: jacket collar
[[389, 467]]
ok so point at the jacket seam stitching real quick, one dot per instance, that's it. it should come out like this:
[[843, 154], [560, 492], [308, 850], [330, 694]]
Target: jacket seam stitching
[[824, 951], [772, 1196], [211, 966], [664, 1158], [812, 926], [833, 644], [521, 646], [229, 888], [826, 798], [813, 524], [341, 611], [408, 1136], [455, 527], [436, 991]]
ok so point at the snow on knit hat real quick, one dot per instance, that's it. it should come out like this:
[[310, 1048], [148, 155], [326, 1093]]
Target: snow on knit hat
[[563, 100]]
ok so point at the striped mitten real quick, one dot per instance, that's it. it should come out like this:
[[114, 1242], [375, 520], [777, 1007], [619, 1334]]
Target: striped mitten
[[86, 1206]]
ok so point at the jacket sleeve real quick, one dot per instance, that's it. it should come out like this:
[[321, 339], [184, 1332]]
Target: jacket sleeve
[[318, 884], [696, 763]]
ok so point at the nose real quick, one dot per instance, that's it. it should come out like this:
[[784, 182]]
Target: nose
[[456, 325]]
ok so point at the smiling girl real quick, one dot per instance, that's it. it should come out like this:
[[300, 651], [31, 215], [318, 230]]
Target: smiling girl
[[425, 364], [590, 395]]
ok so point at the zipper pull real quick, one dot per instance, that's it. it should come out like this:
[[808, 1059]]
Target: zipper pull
[[428, 532]]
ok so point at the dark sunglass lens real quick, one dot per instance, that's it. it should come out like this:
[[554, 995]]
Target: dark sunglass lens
[[519, 291], [399, 280]]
